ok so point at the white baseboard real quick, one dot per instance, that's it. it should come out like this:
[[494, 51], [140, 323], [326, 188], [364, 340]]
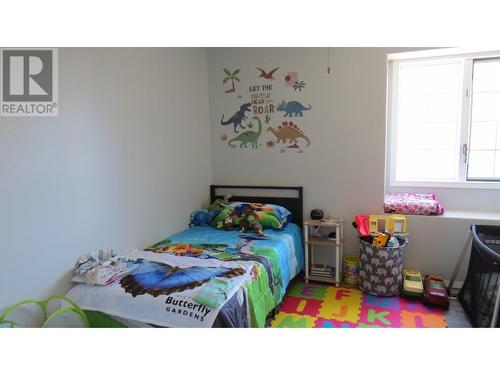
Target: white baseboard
[[456, 284]]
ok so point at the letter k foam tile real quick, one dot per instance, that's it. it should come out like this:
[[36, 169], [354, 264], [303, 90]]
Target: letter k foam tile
[[381, 317]]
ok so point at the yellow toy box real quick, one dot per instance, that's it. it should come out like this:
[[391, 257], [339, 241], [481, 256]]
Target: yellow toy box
[[391, 223]]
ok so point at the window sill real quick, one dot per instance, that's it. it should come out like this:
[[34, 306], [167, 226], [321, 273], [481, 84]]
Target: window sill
[[462, 215], [472, 215], [444, 184]]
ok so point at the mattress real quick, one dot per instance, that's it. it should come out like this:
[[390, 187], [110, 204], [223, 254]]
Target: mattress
[[162, 290]]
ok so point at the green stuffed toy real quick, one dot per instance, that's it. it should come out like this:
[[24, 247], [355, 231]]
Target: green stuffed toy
[[217, 205], [230, 222], [249, 222]]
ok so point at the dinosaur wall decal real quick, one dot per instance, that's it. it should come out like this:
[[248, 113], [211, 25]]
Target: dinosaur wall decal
[[288, 131], [248, 137], [268, 75], [238, 117], [292, 108]]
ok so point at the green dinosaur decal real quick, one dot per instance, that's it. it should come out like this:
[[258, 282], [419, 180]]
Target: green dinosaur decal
[[248, 137]]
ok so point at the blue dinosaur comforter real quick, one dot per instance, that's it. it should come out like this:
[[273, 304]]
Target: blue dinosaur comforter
[[161, 290]]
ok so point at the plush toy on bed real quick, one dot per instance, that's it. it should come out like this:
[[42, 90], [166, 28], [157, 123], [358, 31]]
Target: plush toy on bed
[[249, 221], [204, 217], [201, 218], [217, 206], [230, 222]]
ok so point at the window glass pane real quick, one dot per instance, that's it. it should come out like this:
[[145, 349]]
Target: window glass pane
[[484, 136], [486, 105], [428, 121], [484, 147], [482, 165], [486, 76]]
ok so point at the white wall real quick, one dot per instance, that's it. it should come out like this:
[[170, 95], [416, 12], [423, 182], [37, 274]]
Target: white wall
[[343, 169], [123, 164]]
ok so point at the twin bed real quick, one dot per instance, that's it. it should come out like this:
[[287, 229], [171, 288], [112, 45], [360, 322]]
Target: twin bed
[[163, 289]]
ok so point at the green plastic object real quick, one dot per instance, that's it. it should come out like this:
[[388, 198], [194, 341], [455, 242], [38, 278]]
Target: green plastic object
[[43, 306], [98, 319]]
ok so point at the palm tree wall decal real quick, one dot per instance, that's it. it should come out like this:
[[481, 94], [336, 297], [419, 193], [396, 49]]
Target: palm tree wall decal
[[231, 76]]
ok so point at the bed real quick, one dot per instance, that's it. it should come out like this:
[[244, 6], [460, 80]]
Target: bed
[[162, 291]]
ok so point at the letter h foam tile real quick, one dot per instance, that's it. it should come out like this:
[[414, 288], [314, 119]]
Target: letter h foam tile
[[411, 319]]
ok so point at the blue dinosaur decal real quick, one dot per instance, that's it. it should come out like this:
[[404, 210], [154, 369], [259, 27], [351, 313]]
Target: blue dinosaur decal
[[238, 117], [292, 109]]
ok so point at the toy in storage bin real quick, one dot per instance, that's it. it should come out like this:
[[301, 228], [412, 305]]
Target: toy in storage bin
[[381, 269], [391, 223]]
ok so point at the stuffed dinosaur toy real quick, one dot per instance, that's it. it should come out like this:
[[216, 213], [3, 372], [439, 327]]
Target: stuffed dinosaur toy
[[249, 222]]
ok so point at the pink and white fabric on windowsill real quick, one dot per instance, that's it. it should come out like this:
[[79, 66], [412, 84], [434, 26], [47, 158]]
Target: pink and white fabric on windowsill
[[412, 204]]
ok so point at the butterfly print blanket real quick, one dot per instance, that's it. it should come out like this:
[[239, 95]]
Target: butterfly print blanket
[[162, 290]]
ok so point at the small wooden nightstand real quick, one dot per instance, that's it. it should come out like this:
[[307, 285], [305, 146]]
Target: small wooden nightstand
[[337, 243]]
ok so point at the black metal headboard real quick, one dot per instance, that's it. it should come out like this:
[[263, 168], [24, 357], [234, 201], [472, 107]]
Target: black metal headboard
[[294, 204]]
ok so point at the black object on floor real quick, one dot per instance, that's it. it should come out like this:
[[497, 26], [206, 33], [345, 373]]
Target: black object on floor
[[479, 295]]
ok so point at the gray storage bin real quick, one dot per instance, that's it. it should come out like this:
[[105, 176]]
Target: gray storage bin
[[381, 269]]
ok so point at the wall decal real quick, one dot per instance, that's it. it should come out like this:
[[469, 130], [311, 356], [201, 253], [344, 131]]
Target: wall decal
[[238, 117], [249, 136], [292, 108], [288, 131], [231, 77], [260, 95], [299, 85], [290, 78], [269, 75], [258, 110]]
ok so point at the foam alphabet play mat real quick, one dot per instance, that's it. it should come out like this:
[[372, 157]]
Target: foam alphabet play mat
[[320, 306]]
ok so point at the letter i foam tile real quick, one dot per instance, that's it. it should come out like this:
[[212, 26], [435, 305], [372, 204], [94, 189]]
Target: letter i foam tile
[[319, 306]]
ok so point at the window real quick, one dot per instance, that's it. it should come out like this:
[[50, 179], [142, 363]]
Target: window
[[484, 149], [444, 120]]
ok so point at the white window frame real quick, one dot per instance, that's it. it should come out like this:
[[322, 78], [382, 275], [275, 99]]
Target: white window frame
[[468, 56]]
